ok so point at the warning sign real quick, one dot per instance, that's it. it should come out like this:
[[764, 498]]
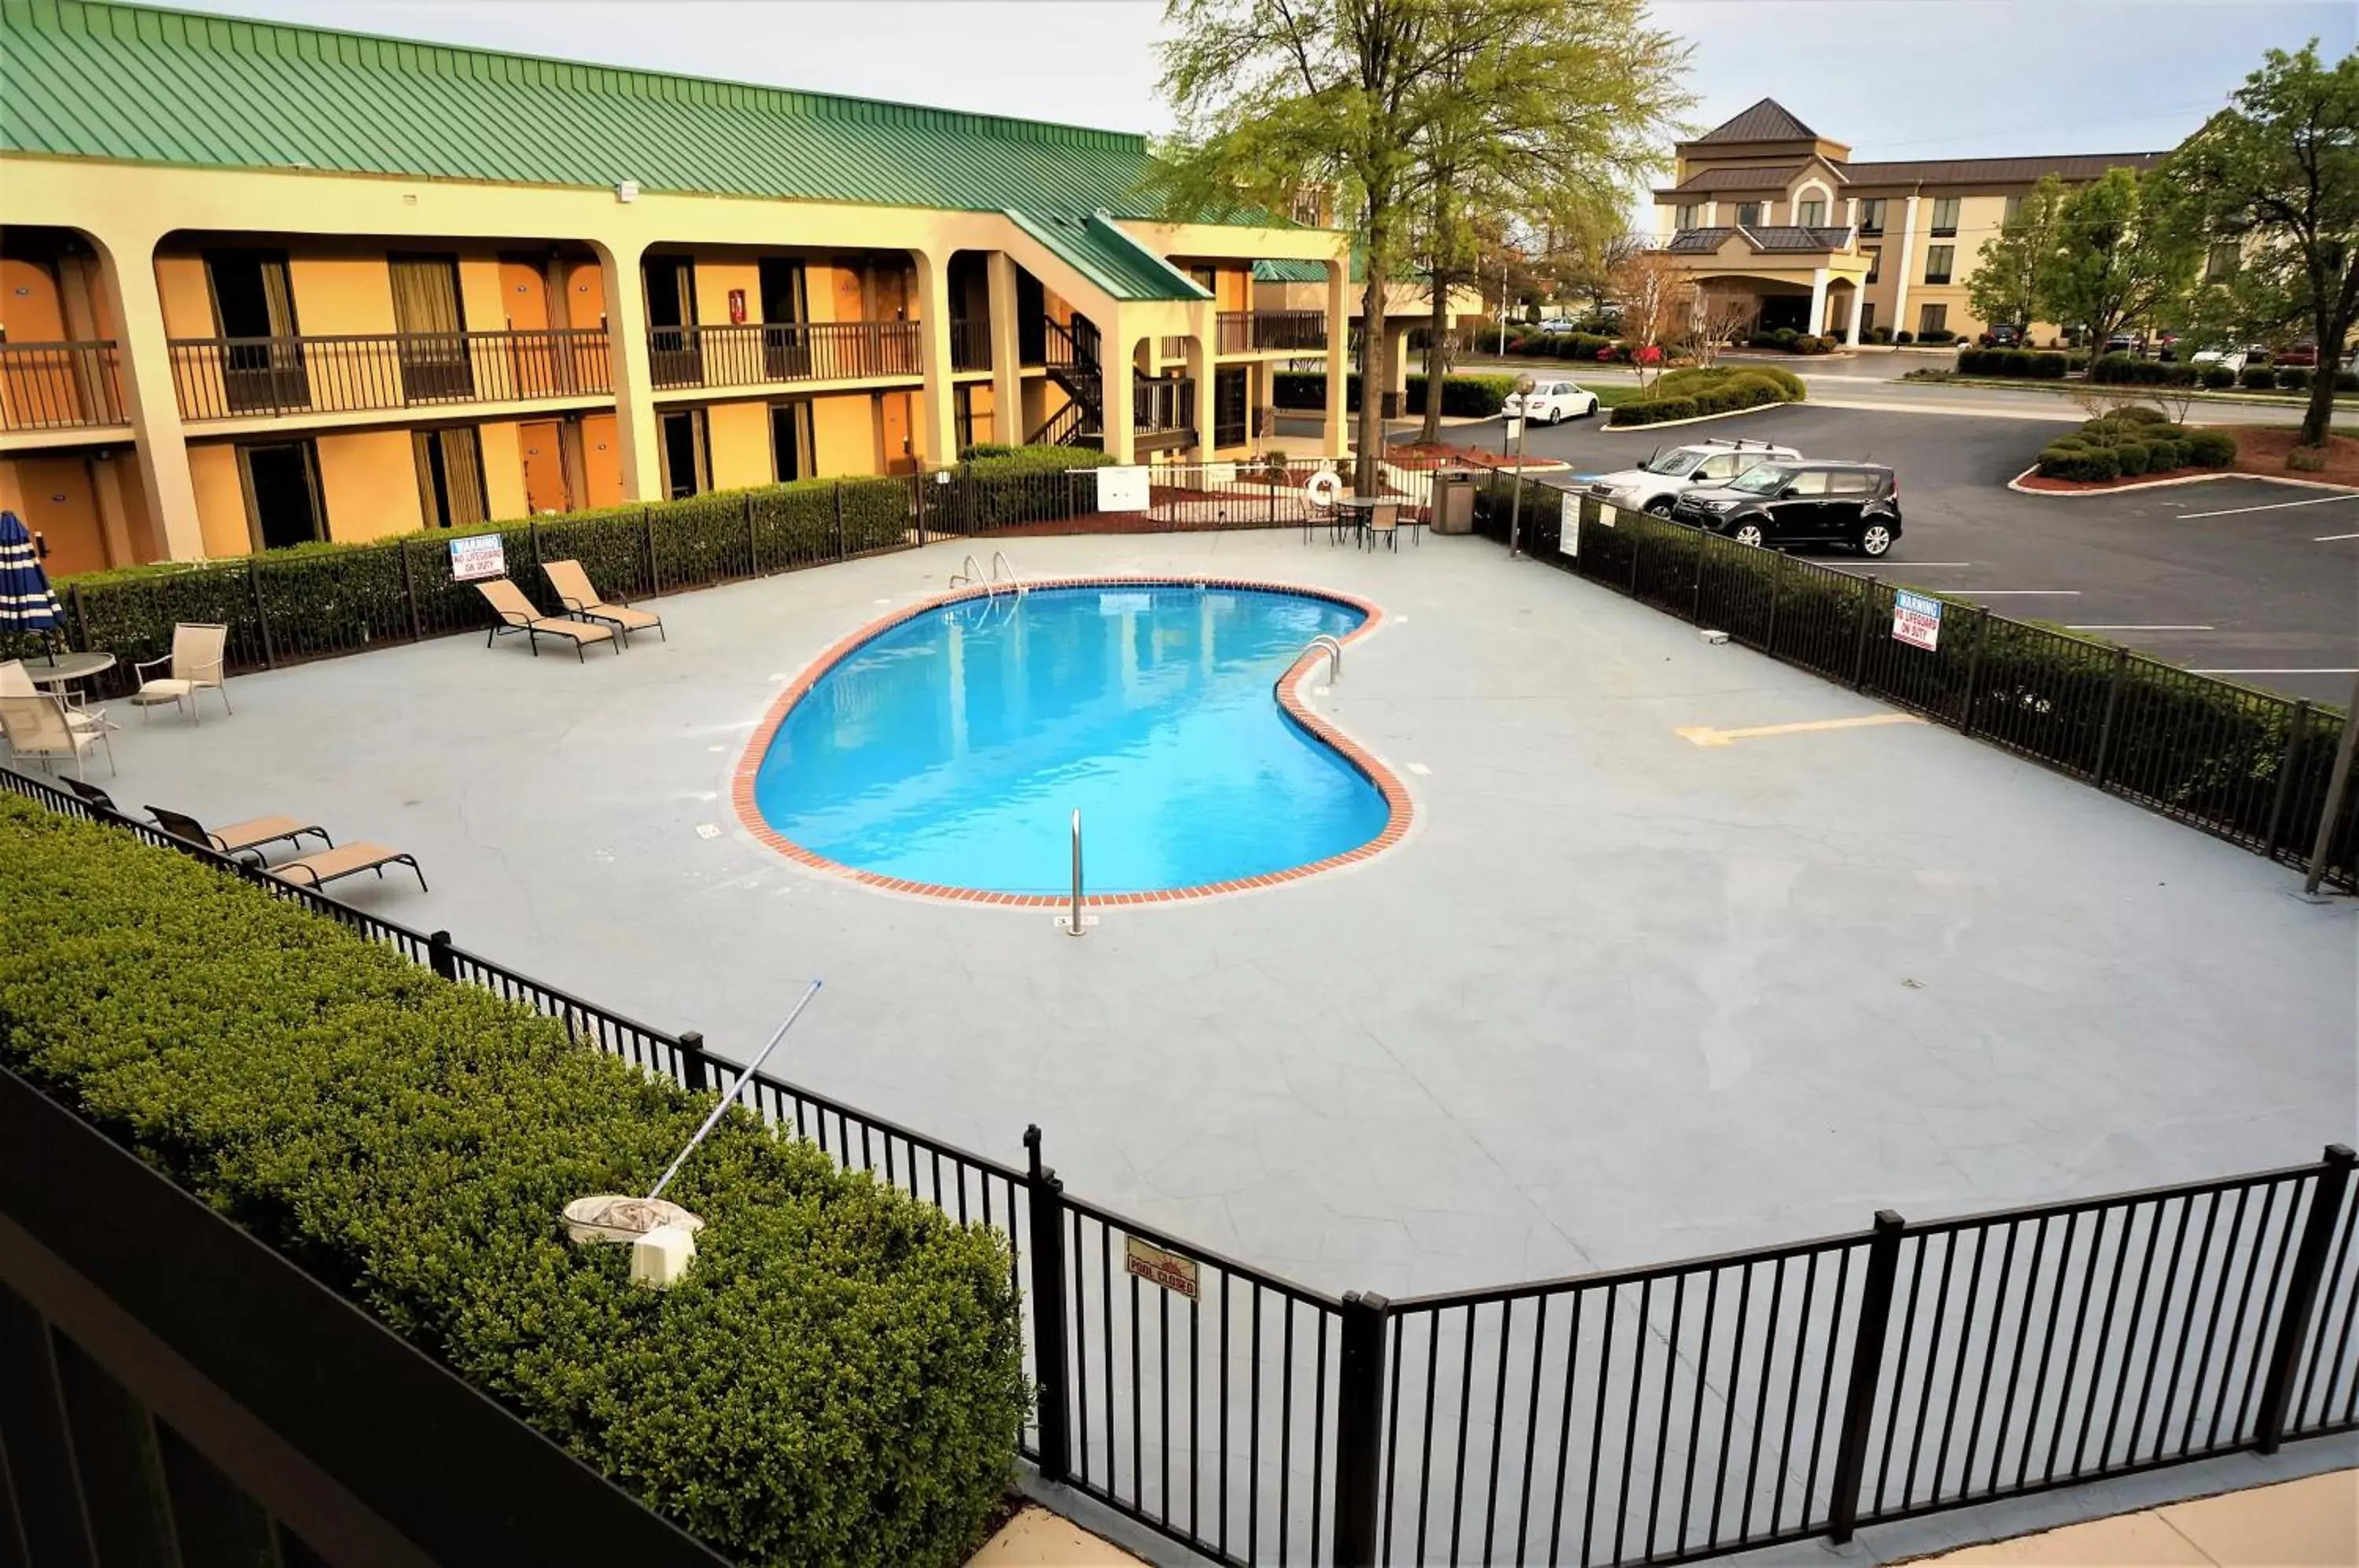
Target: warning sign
[[1916, 621], [1157, 1266]]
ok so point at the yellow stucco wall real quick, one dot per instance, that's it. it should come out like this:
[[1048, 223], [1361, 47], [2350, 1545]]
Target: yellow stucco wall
[[336, 294], [368, 485], [503, 456], [186, 299], [844, 429], [737, 444], [714, 279], [221, 499]]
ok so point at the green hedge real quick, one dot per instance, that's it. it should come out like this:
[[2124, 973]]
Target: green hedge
[[838, 1380], [2130, 442], [1474, 397], [990, 460], [1716, 389], [2013, 362]]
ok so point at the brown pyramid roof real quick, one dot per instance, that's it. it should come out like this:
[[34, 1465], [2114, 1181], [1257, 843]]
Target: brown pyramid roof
[[1768, 121]]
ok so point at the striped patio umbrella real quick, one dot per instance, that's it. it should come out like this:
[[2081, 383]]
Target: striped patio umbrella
[[28, 603]]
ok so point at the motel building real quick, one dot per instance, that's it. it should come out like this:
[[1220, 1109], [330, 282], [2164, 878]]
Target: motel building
[[1764, 208], [262, 285]]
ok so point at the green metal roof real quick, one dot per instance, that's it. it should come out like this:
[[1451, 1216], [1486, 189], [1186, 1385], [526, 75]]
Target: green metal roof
[[135, 83]]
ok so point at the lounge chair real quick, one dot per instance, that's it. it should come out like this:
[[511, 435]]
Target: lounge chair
[[310, 870], [195, 664], [16, 680], [516, 613], [238, 838], [41, 727], [580, 597]]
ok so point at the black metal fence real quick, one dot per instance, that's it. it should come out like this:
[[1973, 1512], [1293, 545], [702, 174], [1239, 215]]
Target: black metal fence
[[751, 354], [61, 385], [1648, 1415], [2250, 767], [225, 378]]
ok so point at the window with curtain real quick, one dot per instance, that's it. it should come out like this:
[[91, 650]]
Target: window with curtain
[[1874, 262], [1932, 319], [1686, 215], [1748, 214], [1939, 259], [1871, 216], [1812, 213], [1945, 214], [432, 347], [450, 478]]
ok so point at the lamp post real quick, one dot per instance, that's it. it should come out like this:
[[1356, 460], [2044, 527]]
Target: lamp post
[[1524, 385]]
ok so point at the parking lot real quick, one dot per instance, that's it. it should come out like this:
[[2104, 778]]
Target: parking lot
[[2254, 582]]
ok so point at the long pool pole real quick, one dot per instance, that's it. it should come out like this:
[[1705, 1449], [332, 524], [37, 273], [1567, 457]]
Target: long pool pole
[[730, 1098]]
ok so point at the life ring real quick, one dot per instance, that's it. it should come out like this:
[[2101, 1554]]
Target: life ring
[[1323, 487]]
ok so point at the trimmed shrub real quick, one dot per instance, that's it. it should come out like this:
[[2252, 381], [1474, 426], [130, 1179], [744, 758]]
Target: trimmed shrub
[[1477, 397], [2134, 458], [2256, 377], [2210, 449], [1879, 334], [1715, 389], [2308, 459], [2216, 376], [1938, 335], [2346, 381], [1807, 343], [839, 1380], [1901, 337], [2138, 414], [1653, 411], [2293, 378], [2065, 461], [989, 460], [2164, 453]]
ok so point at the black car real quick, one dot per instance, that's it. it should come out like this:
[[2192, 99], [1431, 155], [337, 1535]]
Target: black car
[[1783, 504], [2006, 335]]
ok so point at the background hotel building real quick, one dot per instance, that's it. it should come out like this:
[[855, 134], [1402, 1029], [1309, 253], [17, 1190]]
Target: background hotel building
[[263, 284], [1766, 208]]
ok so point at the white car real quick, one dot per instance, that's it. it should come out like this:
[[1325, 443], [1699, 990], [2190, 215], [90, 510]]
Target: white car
[[1655, 483], [2229, 359], [1550, 403]]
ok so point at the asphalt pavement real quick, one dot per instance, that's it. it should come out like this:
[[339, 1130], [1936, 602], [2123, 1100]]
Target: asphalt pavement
[[2255, 582]]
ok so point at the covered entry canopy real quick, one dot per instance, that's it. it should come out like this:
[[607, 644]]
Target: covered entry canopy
[[1812, 275]]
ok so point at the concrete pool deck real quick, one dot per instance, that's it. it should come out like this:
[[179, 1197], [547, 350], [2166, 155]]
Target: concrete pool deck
[[1616, 998]]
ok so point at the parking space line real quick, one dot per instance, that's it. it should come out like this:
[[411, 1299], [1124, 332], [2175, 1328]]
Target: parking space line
[[1704, 735], [2271, 506], [2330, 539]]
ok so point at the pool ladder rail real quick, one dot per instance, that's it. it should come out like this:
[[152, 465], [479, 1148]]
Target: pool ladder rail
[[1333, 650], [970, 574]]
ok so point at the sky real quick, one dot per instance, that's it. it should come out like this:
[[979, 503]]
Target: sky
[[1894, 79]]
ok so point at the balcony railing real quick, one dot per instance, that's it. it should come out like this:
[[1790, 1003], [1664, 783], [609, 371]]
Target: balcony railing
[[60, 385], [970, 345], [761, 352], [225, 378], [1252, 331], [1163, 405]]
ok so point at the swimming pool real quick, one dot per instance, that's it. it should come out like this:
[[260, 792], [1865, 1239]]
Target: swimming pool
[[950, 749]]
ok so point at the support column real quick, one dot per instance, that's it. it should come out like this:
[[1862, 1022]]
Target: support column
[[1007, 423], [1899, 265], [1334, 441], [1118, 374], [1817, 302], [160, 443], [633, 372], [114, 521], [938, 439], [1858, 300], [1204, 326]]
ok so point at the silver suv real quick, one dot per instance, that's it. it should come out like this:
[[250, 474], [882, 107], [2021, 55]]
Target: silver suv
[[1655, 483]]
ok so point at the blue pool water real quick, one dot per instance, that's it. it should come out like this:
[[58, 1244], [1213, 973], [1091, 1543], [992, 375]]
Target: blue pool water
[[954, 747]]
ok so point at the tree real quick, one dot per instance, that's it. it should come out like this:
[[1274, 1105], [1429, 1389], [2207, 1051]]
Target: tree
[[1546, 112], [2004, 285], [2277, 175], [1719, 317], [1658, 307], [2123, 252]]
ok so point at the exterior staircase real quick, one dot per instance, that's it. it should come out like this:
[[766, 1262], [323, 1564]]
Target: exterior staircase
[[1072, 364]]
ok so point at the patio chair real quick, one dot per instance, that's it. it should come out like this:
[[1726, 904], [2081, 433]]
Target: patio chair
[[195, 663], [1383, 522], [327, 864], [580, 597], [41, 726], [238, 838], [516, 613], [16, 680]]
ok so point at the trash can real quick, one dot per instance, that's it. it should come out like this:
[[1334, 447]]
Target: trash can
[[1454, 501]]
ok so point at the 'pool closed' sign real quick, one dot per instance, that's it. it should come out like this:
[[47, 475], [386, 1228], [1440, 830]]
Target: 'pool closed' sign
[[1157, 1267], [1916, 621]]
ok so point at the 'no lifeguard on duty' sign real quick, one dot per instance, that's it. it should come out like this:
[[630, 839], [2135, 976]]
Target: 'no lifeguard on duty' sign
[[1917, 620]]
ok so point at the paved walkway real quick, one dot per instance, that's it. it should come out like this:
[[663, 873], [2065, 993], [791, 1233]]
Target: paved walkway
[[2306, 1523], [1618, 998]]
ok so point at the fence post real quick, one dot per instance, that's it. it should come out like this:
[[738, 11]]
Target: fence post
[[1777, 592], [1974, 671], [1866, 1367], [648, 529], [438, 956], [409, 591], [81, 620], [2338, 784], [2302, 1296], [1695, 616], [261, 613], [918, 490], [2297, 736], [1859, 640], [752, 541], [1048, 1302], [1637, 542], [1359, 1430], [839, 519], [692, 1076], [2104, 763]]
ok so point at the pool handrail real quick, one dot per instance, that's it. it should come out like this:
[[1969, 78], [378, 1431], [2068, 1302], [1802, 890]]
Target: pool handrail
[[1334, 649]]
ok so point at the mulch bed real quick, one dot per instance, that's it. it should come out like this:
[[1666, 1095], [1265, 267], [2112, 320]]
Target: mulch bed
[[2259, 451]]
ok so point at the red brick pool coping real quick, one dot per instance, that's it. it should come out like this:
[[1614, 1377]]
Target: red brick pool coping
[[1398, 811]]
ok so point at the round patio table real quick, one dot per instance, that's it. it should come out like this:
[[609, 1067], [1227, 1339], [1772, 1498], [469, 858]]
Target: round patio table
[[68, 668]]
